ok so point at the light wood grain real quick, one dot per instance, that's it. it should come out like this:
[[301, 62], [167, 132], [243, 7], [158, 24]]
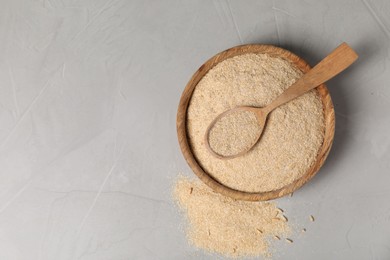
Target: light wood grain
[[183, 134]]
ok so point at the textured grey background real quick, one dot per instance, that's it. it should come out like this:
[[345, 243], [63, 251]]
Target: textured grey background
[[88, 149]]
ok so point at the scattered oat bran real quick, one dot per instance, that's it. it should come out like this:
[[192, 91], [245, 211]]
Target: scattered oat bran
[[312, 218], [225, 226], [293, 134]]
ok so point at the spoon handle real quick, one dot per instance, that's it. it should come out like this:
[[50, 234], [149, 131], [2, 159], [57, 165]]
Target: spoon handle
[[337, 61]]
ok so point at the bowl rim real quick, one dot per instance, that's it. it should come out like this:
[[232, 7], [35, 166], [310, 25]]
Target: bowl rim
[[181, 124]]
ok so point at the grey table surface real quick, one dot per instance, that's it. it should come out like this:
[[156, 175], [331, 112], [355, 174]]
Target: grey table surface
[[88, 147]]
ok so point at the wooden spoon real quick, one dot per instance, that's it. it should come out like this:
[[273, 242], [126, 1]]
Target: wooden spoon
[[337, 61]]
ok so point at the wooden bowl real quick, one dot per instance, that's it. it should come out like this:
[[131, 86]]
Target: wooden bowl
[[181, 124]]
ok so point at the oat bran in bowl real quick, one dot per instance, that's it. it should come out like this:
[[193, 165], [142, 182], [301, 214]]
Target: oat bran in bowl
[[295, 142]]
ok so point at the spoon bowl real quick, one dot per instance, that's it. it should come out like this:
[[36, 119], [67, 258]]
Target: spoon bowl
[[260, 116]]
